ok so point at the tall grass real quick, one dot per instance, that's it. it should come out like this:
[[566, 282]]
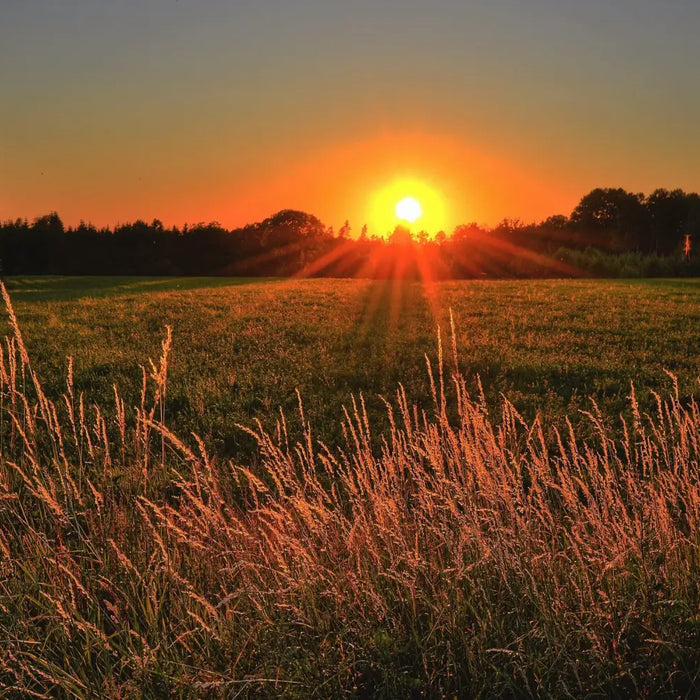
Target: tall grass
[[472, 555]]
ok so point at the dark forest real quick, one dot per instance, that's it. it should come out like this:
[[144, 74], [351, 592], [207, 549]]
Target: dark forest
[[610, 233]]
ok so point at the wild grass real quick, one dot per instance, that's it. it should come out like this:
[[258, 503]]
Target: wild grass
[[468, 556]]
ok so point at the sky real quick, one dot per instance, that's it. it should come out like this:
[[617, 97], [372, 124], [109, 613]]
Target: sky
[[212, 110]]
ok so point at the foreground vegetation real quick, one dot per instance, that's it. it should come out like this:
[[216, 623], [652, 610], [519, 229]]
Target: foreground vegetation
[[469, 554]]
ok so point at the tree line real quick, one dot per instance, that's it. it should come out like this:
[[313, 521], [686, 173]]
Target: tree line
[[611, 232]]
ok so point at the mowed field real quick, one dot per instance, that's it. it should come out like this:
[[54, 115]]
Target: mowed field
[[437, 545], [242, 347]]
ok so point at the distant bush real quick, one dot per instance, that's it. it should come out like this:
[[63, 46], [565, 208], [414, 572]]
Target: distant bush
[[598, 263]]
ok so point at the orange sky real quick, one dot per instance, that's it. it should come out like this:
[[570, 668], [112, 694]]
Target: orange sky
[[362, 181], [233, 111]]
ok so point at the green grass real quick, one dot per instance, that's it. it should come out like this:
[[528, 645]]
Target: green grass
[[243, 346], [457, 551]]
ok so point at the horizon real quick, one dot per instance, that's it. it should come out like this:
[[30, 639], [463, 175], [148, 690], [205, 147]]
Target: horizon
[[412, 227]]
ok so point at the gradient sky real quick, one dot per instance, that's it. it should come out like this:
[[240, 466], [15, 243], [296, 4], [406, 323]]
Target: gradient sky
[[186, 110]]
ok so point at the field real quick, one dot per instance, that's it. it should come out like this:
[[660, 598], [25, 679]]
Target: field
[[241, 348], [543, 545]]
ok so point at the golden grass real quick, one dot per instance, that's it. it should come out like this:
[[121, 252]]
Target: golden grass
[[471, 555]]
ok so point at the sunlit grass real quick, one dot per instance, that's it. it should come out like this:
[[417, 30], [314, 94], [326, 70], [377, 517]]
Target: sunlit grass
[[470, 554]]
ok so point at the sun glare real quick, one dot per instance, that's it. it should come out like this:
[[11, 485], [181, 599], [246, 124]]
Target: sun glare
[[407, 201], [409, 209]]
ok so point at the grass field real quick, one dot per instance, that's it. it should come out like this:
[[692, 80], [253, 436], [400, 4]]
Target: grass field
[[437, 546], [241, 348]]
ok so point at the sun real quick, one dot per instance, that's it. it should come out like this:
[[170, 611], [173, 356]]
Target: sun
[[409, 201], [409, 209]]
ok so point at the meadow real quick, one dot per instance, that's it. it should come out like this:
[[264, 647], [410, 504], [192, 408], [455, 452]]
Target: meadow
[[512, 519], [243, 347]]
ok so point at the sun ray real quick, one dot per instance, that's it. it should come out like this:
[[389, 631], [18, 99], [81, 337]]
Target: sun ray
[[336, 254], [498, 250]]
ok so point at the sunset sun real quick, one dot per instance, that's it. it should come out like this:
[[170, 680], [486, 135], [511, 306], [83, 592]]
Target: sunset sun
[[406, 201], [408, 209]]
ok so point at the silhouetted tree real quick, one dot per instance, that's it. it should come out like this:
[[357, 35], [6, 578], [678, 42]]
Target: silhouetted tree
[[610, 232], [345, 230], [401, 235], [610, 218], [45, 243], [669, 216], [289, 226]]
